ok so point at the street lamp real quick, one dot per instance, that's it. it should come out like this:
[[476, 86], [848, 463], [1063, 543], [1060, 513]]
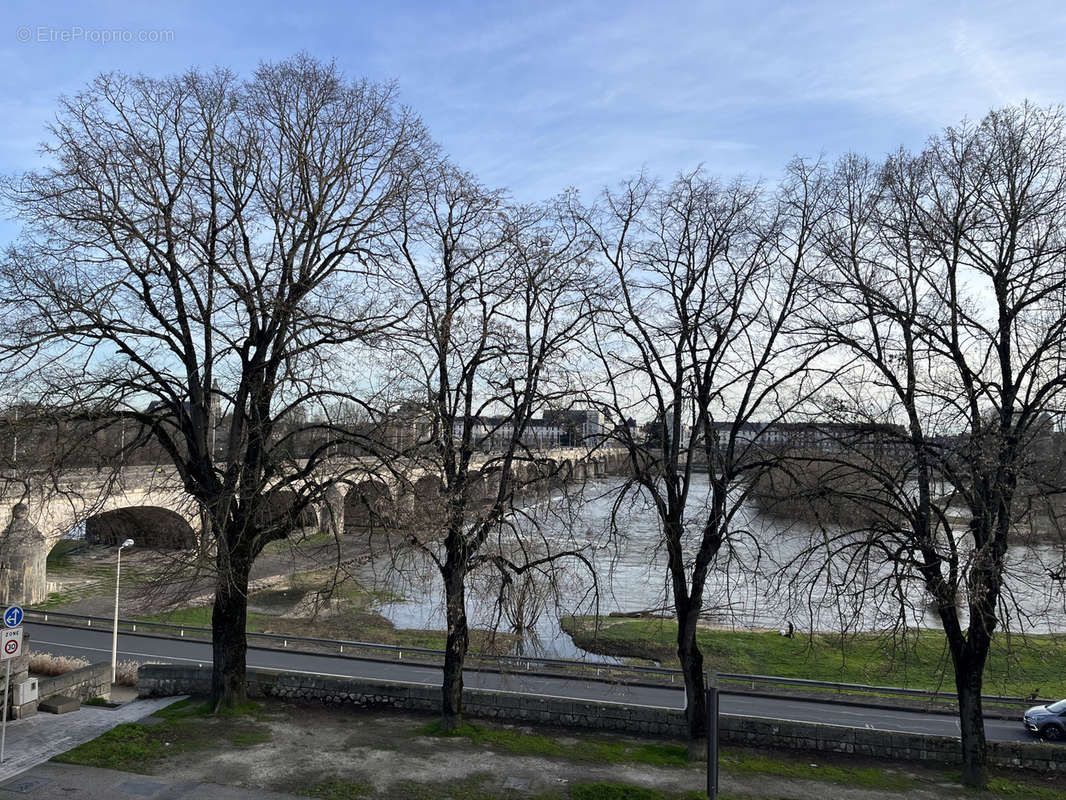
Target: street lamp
[[114, 629]]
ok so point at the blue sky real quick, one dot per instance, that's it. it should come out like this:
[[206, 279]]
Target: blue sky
[[541, 96]]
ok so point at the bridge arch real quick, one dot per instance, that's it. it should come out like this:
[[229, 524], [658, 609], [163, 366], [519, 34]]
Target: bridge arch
[[428, 489], [149, 526], [278, 508], [369, 504]]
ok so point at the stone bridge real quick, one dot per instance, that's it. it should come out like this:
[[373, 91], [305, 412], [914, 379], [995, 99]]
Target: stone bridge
[[153, 499]]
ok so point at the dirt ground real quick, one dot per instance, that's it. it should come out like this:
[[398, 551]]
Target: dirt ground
[[323, 752], [157, 580]]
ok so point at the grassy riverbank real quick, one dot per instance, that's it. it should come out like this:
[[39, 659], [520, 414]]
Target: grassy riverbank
[[352, 614], [364, 626], [1017, 668]]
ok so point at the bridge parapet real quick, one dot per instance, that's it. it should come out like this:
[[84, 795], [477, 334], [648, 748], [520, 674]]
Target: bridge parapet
[[54, 505]]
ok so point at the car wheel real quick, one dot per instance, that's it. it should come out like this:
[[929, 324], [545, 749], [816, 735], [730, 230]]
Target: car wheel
[[1052, 733]]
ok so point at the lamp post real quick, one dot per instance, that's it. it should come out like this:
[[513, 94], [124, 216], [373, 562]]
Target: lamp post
[[114, 629]]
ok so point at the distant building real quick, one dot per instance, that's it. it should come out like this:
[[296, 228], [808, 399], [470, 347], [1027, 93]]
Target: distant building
[[410, 424], [496, 433], [822, 437], [577, 427]]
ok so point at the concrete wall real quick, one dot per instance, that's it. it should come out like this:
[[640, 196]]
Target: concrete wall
[[83, 684], [159, 680], [20, 671], [22, 549]]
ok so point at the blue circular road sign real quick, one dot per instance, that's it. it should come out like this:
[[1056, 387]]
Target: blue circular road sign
[[13, 616]]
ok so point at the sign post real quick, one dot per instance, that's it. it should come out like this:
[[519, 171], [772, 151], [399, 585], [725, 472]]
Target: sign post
[[10, 647], [712, 741]]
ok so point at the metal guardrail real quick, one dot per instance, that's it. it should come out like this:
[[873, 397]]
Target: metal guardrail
[[860, 688], [590, 669], [372, 650]]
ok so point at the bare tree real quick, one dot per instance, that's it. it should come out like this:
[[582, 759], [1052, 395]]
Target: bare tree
[[197, 242], [706, 278], [495, 303], [945, 281]]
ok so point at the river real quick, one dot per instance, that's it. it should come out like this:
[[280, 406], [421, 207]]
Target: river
[[760, 581]]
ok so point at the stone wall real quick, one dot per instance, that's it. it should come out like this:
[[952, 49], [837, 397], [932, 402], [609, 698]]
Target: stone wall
[[809, 736], [83, 684], [160, 680]]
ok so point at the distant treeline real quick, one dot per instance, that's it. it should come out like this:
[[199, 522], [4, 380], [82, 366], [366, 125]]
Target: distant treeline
[[816, 488]]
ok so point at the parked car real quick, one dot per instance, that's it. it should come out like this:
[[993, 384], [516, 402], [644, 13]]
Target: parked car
[[1047, 721]]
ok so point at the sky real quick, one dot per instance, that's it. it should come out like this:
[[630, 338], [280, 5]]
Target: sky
[[539, 97]]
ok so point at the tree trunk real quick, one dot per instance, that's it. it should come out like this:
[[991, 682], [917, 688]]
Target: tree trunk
[[228, 622], [968, 684], [455, 650], [688, 653]]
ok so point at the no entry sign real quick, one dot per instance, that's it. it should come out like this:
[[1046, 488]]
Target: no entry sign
[[10, 643]]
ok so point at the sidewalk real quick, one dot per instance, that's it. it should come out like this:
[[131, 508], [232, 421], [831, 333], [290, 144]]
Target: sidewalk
[[49, 781], [32, 742]]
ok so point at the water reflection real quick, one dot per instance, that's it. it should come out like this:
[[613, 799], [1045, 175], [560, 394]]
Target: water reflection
[[757, 583]]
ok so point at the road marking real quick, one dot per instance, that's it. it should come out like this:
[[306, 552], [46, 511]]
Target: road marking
[[348, 675], [835, 725], [121, 652], [503, 691]]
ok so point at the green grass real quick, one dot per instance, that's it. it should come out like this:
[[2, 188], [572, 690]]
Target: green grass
[[194, 617], [613, 791], [613, 751], [250, 738], [184, 708], [472, 787], [336, 789], [1005, 787], [200, 617], [296, 542], [744, 762], [59, 559], [190, 707], [354, 620], [362, 625], [604, 751], [91, 578], [57, 599], [129, 747], [623, 791], [349, 589], [1032, 663], [187, 725]]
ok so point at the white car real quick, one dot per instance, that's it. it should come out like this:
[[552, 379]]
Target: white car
[[1047, 721]]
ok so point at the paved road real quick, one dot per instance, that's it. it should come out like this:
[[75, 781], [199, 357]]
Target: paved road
[[96, 646]]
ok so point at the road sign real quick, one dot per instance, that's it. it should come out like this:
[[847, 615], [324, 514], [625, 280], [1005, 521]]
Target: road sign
[[13, 616], [10, 643], [10, 647]]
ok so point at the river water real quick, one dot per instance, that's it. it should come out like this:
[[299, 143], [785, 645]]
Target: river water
[[761, 581]]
